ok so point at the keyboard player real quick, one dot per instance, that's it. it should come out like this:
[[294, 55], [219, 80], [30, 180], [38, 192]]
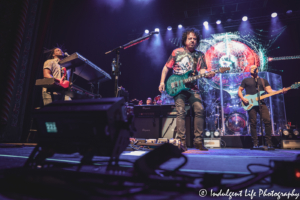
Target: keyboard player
[[53, 70]]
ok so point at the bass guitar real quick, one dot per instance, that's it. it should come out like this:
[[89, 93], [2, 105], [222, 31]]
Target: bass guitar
[[177, 83], [253, 99]]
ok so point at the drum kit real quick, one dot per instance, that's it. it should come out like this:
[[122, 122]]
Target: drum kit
[[235, 117]]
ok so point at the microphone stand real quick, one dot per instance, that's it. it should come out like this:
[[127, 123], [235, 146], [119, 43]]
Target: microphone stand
[[116, 72]]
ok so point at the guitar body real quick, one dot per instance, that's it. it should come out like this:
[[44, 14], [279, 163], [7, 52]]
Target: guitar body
[[252, 101], [175, 85]]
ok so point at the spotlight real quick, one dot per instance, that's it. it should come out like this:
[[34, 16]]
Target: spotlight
[[285, 132], [216, 133], [296, 132], [205, 23], [169, 28], [156, 30], [146, 31], [207, 133], [274, 14], [289, 12], [218, 22], [245, 18], [179, 26]]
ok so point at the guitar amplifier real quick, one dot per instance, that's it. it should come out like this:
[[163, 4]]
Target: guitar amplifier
[[170, 110], [147, 111], [169, 129], [147, 127]]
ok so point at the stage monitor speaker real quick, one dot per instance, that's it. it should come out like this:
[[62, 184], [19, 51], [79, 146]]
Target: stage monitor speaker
[[169, 129], [97, 123], [147, 127]]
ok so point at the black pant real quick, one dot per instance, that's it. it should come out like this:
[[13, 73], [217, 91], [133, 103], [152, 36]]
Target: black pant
[[266, 119]]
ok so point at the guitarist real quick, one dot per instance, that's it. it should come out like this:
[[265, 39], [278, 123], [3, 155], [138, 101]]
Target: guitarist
[[182, 60], [53, 70], [249, 85]]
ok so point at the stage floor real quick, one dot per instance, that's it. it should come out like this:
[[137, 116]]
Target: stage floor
[[225, 160]]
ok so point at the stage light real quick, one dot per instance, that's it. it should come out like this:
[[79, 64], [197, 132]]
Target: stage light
[[207, 133], [296, 132], [146, 31], [285, 132], [218, 22], [205, 23], [216, 133], [289, 12], [245, 18], [274, 14], [229, 20], [169, 28], [156, 30], [179, 26]]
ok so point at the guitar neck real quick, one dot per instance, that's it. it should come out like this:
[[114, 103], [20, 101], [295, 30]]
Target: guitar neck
[[193, 78], [269, 95]]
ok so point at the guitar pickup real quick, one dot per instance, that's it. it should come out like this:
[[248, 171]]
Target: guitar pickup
[[251, 101], [176, 84]]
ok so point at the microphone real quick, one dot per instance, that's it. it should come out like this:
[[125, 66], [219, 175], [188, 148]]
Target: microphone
[[66, 53]]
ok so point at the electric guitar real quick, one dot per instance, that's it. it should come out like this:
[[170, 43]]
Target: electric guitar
[[253, 99], [177, 83]]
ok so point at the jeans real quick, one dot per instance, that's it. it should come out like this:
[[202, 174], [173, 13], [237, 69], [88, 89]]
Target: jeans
[[194, 100], [266, 119]]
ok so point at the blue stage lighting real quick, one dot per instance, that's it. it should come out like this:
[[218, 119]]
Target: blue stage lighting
[[179, 26], [205, 23], [245, 18], [274, 14], [169, 28], [156, 30], [146, 31], [218, 22], [289, 12]]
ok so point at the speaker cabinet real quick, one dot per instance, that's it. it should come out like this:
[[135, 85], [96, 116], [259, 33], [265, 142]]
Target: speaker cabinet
[[147, 127], [169, 129]]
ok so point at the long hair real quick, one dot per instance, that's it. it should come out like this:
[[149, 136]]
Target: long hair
[[187, 32]]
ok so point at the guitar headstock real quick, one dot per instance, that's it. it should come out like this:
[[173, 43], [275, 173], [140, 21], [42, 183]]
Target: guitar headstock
[[224, 69], [295, 86]]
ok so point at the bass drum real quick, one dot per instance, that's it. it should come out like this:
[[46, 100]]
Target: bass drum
[[236, 124]]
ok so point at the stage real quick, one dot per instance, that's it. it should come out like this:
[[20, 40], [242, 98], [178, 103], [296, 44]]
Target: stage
[[231, 162]]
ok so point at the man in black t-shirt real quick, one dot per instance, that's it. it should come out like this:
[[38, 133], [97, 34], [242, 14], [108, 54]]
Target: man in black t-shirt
[[249, 84]]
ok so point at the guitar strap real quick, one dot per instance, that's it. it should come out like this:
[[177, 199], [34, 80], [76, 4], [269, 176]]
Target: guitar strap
[[263, 83]]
